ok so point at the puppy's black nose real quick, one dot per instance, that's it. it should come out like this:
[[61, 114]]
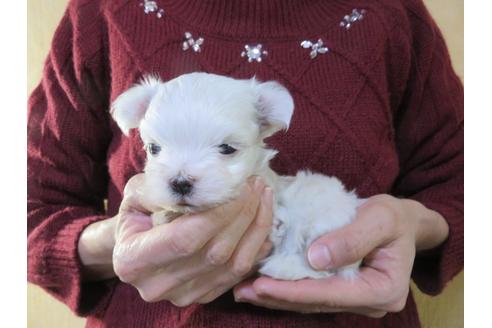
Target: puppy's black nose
[[181, 186]]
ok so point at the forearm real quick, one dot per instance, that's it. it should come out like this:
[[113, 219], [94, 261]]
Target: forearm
[[431, 228], [95, 249]]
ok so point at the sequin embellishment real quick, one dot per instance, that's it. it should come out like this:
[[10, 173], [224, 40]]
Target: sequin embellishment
[[192, 43], [316, 48], [254, 53], [355, 16], [150, 6]]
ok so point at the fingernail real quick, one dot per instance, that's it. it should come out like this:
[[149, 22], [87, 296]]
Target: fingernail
[[244, 293], [319, 257]]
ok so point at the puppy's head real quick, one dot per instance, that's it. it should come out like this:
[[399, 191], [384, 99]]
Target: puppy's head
[[203, 134]]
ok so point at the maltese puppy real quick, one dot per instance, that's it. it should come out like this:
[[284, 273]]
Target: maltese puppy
[[204, 137]]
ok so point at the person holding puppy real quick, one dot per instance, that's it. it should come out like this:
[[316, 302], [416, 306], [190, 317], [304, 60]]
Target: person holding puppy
[[380, 108]]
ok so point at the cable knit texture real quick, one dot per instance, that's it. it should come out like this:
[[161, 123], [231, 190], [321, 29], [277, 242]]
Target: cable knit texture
[[383, 111]]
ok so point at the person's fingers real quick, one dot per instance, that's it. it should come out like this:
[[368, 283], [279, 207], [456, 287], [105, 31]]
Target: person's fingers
[[204, 296], [367, 289], [165, 245], [214, 283], [144, 248], [374, 225], [263, 252], [204, 289], [180, 238], [254, 239], [244, 292], [248, 295], [156, 283], [232, 208], [133, 216], [127, 248], [133, 196], [189, 233], [280, 305], [369, 312], [180, 290], [134, 183], [213, 295], [222, 246], [131, 224], [175, 278]]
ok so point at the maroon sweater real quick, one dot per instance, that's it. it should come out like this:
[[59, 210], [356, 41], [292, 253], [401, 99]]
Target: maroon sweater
[[382, 110]]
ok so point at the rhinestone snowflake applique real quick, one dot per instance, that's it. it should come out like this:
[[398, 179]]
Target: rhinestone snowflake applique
[[316, 47], [254, 53], [150, 6], [355, 16], [192, 43]]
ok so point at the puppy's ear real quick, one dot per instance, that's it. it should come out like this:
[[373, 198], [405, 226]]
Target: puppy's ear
[[274, 108], [130, 107]]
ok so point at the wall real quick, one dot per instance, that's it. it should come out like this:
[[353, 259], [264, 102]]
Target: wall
[[444, 311]]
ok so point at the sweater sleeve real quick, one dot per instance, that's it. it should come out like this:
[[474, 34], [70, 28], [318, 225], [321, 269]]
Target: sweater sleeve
[[68, 136], [429, 138]]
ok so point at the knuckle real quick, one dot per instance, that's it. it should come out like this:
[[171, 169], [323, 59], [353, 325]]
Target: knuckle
[[381, 209], [377, 315], [382, 198], [181, 246], [331, 304], [221, 213], [350, 248], [383, 294], [396, 306], [241, 268], [249, 211], [181, 302], [263, 223], [124, 273], [132, 184], [149, 296], [386, 217], [384, 210], [265, 250], [218, 256], [209, 298]]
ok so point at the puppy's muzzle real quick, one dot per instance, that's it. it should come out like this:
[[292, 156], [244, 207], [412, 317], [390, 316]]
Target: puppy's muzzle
[[181, 186]]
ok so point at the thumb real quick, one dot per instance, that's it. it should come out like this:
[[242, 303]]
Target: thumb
[[372, 227], [133, 216]]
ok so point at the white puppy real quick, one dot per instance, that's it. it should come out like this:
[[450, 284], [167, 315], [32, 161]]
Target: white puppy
[[204, 137]]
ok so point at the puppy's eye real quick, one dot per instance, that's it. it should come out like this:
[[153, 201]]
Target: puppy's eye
[[153, 148], [226, 149]]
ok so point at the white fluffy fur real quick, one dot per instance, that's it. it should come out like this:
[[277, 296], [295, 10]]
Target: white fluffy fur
[[189, 117]]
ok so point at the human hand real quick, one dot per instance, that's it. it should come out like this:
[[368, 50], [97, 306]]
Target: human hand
[[386, 234], [196, 257], [95, 250]]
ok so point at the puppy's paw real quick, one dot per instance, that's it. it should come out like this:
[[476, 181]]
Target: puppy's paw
[[290, 267], [295, 267], [349, 272], [279, 230], [161, 217]]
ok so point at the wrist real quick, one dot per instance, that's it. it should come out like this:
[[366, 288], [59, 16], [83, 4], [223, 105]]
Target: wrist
[[431, 229], [95, 248]]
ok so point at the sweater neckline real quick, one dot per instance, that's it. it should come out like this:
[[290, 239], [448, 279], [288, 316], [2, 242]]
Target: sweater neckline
[[258, 19]]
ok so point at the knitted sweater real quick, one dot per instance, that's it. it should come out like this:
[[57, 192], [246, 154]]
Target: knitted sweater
[[382, 110]]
